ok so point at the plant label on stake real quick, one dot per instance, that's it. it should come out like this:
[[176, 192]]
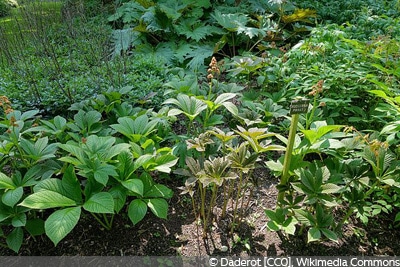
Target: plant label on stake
[[297, 107]]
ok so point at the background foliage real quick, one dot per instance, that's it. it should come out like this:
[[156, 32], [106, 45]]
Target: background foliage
[[103, 102]]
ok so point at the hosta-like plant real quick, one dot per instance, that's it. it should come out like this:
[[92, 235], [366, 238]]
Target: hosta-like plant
[[13, 190]]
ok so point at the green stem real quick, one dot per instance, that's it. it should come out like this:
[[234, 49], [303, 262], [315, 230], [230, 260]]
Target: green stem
[[227, 197], [202, 206], [211, 207], [248, 202], [197, 225], [100, 221], [236, 202], [288, 155], [348, 214]]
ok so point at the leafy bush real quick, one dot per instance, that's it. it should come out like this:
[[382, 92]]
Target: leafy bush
[[78, 166], [206, 27], [5, 8]]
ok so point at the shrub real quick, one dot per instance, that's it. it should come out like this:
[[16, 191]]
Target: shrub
[[5, 8]]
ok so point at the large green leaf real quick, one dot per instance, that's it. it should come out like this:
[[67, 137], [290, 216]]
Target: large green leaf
[[159, 190], [75, 150], [190, 106], [231, 22], [198, 55], [35, 227], [47, 199], [6, 182], [137, 210], [87, 120], [134, 185], [12, 196], [195, 31], [119, 196], [40, 150], [142, 161], [134, 129], [61, 222], [102, 173], [165, 162], [15, 238], [19, 220], [158, 206], [102, 202], [125, 167], [71, 185], [318, 130]]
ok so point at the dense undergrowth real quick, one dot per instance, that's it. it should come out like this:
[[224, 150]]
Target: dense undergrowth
[[100, 108]]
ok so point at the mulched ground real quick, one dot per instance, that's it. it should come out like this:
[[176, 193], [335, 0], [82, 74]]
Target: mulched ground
[[180, 235]]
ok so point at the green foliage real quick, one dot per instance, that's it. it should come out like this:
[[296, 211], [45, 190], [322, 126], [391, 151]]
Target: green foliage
[[208, 27], [78, 166], [5, 8], [130, 114]]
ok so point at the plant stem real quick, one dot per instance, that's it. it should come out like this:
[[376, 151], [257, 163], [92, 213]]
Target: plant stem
[[100, 221], [236, 202], [197, 225], [211, 207], [288, 155], [202, 206]]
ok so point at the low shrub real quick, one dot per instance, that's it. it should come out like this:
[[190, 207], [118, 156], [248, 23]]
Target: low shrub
[[5, 8]]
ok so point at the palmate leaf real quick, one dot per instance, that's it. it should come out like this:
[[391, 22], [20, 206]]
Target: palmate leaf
[[329, 234], [230, 22], [102, 172], [172, 9], [86, 120], [194, 30], [68, 186], [40, 150], [251, 31], [180, 53], [190, 106], [220, 101], [135, 128], [73, 148], [198, 55]]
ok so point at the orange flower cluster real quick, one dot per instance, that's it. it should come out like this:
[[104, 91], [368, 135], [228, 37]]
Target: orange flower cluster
[[317, 88], [5, 104], [213, 69]]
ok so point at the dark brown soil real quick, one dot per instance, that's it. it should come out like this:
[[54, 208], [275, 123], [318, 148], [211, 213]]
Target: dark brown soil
[[180, 235]]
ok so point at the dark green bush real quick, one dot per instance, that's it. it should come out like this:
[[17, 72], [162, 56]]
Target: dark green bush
[[5, 8]]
